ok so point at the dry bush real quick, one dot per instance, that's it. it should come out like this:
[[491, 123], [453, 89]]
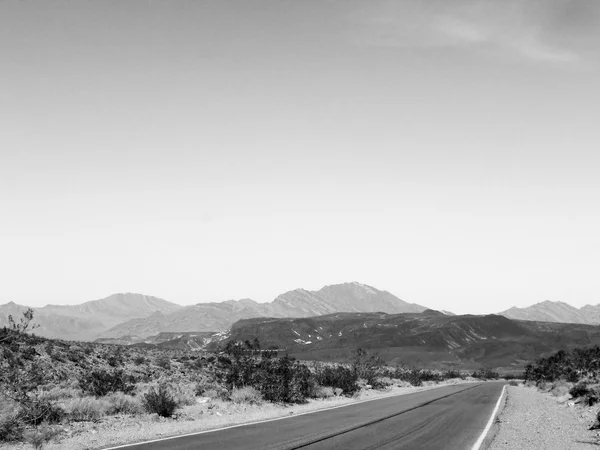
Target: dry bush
[[160, 401], [246, 394], [11, 427], [560, 388], [40, 436], [60, 393], [184, 393], [124, 404], [383, 383], [322, 392], [87, 409]]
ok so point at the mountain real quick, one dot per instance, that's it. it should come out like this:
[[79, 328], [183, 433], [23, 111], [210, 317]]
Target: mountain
[[345, 297], [52, 325], [88, 320], [430, 338], [114, 309], [555, 312]]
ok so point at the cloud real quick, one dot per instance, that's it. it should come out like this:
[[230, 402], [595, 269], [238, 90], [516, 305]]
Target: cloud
[[539, 31]]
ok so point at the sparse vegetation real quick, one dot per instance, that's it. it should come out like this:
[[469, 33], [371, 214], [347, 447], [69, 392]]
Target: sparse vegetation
[[46, 382], [160, 401]]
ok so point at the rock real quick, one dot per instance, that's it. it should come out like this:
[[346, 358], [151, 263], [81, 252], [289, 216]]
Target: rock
[[203, 400], [570, 404]]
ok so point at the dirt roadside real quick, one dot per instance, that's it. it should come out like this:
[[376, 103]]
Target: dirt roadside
[[534, 420]]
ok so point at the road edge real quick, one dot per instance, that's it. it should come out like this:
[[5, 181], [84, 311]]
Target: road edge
[[493, 426]]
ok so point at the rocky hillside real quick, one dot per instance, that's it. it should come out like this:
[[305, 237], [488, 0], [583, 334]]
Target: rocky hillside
[[428, 339], [347, 297], [555, 312]]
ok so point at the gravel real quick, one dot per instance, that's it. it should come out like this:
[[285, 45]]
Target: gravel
[[538, 421]]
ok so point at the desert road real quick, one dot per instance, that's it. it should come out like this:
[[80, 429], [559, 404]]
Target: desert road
[[450, 417]]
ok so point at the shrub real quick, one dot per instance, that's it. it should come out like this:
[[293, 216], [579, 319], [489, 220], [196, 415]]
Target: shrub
[[124, 404], [514, 383], [40, 436], [283, 380], [59, 393], [485, 374], [160, 401], [246, 394], [34, 411], [560, 388], [338, 377], [164, 362], [579, 390], [11, 427], [322, 392], [184, 393], [101, 382], [139, 360], [87, 409]]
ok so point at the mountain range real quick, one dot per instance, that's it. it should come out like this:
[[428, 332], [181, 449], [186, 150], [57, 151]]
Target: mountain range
[[134, 317], [548, 311]]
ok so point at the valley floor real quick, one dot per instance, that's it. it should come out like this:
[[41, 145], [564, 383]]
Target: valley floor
[[212, 414], [534, 420]]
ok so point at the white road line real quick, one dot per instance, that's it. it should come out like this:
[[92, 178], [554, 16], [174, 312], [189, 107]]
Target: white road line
[[486, 430], [399, 394]]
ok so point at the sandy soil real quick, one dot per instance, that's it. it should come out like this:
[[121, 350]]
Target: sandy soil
[[538, 421]]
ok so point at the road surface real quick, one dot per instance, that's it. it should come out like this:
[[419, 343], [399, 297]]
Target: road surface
[[450, 417]]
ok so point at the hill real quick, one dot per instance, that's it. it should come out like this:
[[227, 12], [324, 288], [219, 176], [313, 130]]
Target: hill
[[561, 312], [88, 320], [347, 297], [430, 338]]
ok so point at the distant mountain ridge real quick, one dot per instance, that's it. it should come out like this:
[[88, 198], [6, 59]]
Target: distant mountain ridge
[[346, 297], [560, 312], [87, 320]]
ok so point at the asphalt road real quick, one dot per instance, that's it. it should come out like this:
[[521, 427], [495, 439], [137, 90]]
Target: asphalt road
[[450, 417]]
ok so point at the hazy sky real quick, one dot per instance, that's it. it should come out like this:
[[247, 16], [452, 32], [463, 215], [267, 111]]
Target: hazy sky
[[447, 151]]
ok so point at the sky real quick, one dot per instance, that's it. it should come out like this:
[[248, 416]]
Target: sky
[[446, 151]]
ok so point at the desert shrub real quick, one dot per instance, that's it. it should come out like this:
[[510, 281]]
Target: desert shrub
[[211, 389], [139, 360], [451, 374], [59, 393], [579, 390], [382, 383], [560, 388], [101, 382], [366, 366], [183, 393], [160, 401], [322, 392], [87, 409], [246, 394], [416, 376], [590, 393], [11, 426], [34, 411], [124, 404], [485, 374], [163, 362], [40, 436], [338, 377], [283, 380]]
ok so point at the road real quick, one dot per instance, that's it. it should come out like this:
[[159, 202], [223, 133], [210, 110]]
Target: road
[[450, 417]]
